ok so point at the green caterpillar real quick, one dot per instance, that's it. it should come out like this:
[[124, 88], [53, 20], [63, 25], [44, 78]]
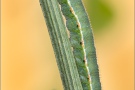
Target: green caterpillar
[[82, 42]]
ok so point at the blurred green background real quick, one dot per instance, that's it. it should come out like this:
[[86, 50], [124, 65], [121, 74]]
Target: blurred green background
[[28, 61], [100, 13]]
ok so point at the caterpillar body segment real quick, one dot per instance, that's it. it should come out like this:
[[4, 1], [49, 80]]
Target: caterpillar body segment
[[81, 38]]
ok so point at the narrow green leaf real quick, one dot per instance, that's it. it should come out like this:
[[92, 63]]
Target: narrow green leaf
[[78, 66], [61, 45]]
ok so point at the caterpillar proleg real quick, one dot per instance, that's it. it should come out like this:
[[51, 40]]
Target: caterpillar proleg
[[81, 38]]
